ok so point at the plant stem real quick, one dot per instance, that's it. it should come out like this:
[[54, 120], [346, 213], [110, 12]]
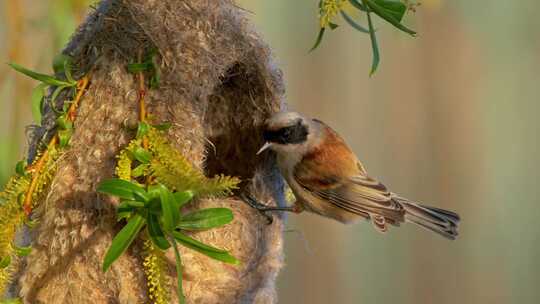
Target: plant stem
[[36, 168], [142, 108], [181, 299], [142, 94], [81, 86]]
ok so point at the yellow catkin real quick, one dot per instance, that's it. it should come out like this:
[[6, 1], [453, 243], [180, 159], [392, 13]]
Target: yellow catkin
[[12, 214], [15, 197], [328, 10], [172, 169], [153, 263], [123, 167], [46, 175], [11, 218], [155, 269]]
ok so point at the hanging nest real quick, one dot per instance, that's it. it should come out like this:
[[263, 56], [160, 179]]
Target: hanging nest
[[218, 84]]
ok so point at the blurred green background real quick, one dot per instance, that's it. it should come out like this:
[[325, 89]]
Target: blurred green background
[[450, 119]]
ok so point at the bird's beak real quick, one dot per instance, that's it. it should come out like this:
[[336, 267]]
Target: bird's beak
[[264, 147]]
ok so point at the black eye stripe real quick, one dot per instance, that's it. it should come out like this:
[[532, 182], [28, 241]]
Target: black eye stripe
[[288, 135]]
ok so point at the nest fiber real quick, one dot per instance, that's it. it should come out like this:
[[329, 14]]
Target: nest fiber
[[218, 85]]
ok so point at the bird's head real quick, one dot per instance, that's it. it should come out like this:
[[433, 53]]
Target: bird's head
[[287, 132]]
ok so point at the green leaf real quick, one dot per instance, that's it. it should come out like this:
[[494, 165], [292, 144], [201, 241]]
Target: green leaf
[[123, 189], [123, 239], [215, 253], [154, 81], [156, 234], [332, 26], [123, 215], [319, 39], [22, 251], [136, 204], [20, 168], [375, 47], [178, 260], [142, 155], [163, 127], [38, 76], [183, 198], [125, 207], [191, 242], [169, 207], [138, 67], [55, 94], [37, 102], [67, 71], [59, 62], [395, 8], [154, 191], [353, 23], [391, 11], [156, 75], [141, 196], [66, 105], [358, 5], [152, 53], [140, 170], [142, 129], [5, 262], [64, 123], [206, 219], [64, 136], [154, 207]]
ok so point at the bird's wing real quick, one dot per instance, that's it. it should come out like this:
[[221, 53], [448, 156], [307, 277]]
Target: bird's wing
[[335, 175], [359, 194]]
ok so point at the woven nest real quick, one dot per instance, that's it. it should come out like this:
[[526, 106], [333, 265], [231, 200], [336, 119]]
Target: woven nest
[[218, 85]]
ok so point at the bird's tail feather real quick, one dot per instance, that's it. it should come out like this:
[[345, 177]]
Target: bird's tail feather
[[440, 221]]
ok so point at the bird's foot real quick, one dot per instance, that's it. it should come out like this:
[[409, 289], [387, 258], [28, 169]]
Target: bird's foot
[[264, 209]]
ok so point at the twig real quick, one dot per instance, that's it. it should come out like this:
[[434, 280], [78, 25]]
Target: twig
[[142, 105], [38, 166]]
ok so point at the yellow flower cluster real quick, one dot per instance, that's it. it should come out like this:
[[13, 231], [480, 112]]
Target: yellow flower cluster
[[11, 218], [172, 169], [123, 166], [12, 215], [46, 175], [169, 167], [154, 268], [328, 10]]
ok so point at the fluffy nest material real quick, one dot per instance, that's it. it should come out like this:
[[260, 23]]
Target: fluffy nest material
[[218, 85]]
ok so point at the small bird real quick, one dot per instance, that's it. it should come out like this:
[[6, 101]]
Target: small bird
[[327, 178]]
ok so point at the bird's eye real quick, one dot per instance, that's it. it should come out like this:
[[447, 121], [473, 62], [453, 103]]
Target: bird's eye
[[293, 134], [286, 134]]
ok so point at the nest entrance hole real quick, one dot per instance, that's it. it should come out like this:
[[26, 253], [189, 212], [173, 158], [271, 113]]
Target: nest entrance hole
[[240, 102]]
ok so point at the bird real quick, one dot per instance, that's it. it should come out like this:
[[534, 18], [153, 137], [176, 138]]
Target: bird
[[327, 178]]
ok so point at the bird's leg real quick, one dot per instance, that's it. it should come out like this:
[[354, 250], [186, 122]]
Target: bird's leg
[[263, 209]]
